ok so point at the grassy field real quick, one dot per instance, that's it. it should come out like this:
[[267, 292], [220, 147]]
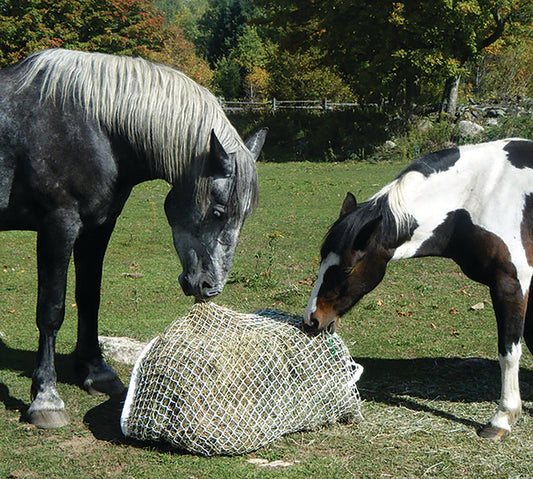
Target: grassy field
[[430, 371]]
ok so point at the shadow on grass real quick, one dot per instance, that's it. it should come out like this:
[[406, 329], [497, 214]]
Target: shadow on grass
[[396, 382], [24, 362], [399, 382]]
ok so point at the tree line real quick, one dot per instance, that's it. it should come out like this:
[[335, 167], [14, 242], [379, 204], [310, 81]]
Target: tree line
[[368, 51]]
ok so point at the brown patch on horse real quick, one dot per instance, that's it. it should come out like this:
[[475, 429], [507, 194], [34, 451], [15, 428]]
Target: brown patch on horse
[[325, 312]]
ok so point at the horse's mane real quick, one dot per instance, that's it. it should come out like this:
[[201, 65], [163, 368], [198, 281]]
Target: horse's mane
[[393, 203], [160, 110], [388, 205]]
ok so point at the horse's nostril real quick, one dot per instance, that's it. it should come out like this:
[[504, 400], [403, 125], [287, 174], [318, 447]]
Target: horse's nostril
[[311, 327], [206, 286]]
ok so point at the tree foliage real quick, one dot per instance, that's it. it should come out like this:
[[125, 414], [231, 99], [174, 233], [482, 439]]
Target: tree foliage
[[130, 27], [387, 49], [367, 50], [114, 26]]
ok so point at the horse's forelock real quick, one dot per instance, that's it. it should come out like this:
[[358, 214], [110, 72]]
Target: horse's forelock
[[244, 186], [344, 231]]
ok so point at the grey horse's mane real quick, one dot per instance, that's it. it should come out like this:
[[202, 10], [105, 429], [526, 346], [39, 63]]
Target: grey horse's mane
[[160, 110]]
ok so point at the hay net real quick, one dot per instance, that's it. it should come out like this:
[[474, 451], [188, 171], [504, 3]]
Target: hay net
[[220, 382]]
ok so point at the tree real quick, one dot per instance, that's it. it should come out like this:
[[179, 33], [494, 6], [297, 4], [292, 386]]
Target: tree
[[129, 27], [114, 26], [506, 70], [221, 25], [301, 75], [388, 49]]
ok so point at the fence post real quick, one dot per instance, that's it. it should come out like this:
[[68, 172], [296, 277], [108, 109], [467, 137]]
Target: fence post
[[274, 104]]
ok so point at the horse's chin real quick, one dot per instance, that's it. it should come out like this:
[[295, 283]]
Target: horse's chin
[[331, 327], [314, 329]]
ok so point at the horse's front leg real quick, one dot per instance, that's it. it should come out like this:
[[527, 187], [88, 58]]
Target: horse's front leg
[[509, 306], [89, 252], [55, 240]]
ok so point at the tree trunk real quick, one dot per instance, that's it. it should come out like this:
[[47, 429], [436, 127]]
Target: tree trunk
[[449, 98]]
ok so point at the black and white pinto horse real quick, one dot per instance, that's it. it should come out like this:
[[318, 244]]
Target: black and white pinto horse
[[473, 204], [77, 132]]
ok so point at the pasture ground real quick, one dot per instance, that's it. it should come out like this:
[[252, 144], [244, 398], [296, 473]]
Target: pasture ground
[[431, 375]]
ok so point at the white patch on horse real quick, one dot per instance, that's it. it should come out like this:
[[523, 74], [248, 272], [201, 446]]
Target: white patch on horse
[[509, 407], [333, 259], [484, 183]]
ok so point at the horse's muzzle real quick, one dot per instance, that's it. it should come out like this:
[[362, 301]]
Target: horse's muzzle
[[201, 290], [313, 327]]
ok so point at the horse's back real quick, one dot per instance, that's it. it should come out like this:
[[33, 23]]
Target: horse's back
[[517, 152], [51, 156]]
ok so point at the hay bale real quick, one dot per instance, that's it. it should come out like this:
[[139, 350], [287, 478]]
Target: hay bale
[[220, 382]]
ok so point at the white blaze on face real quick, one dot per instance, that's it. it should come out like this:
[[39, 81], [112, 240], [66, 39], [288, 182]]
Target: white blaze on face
[[332, 259]]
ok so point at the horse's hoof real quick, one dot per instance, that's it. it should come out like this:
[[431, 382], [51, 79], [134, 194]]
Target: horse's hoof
[[111, 387], [48, 419], [488, 431]]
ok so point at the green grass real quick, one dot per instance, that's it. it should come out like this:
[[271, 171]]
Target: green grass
[[430, 371]]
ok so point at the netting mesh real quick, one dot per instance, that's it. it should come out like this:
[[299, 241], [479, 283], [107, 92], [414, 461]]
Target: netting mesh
[[220, 382]]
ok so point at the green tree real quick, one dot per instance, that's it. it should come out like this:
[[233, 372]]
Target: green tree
[[391, 50], [228, 78], [115, 26], [302, 75], [221, 26], [129, 27]]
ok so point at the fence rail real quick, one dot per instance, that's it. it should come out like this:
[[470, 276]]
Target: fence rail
[[275, 105]]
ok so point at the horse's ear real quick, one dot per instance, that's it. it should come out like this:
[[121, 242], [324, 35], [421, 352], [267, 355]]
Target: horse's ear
[[363, 237], [256, 141], [349, 204], [220, 162]]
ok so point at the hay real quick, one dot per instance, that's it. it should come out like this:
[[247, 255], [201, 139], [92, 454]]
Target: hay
[[219, 382]]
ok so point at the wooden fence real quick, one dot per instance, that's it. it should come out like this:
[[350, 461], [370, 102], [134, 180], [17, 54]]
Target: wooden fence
[[275, 105]]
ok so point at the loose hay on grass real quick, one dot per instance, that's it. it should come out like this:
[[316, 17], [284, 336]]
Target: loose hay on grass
[[220, 382]]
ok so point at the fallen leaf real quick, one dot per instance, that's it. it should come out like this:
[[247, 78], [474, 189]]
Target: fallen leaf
[[477, 306], [132, 275]]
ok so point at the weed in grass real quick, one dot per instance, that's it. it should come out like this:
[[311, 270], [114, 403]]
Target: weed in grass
[[262, 276]]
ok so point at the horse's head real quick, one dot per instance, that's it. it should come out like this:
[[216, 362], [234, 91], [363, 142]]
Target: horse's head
[[207, 213], [353, 263]]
